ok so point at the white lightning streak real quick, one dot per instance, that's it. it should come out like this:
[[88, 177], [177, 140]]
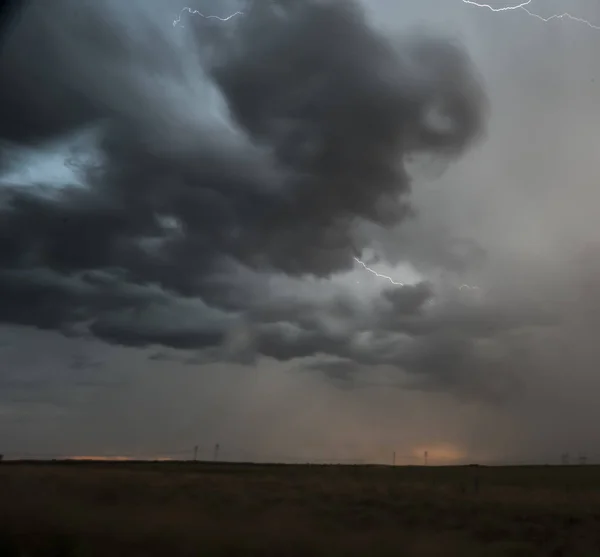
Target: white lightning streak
[[196, 12], [468, 287], [523, 6], [377, 274], [367, 268]]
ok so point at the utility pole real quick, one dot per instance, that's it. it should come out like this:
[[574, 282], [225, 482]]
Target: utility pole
[[195, 453], [425, 455], [394, 458], [216, 452]]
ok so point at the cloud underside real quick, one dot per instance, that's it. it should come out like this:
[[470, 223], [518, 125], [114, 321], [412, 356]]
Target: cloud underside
[[233, 165]]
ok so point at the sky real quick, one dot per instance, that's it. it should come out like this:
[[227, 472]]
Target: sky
[[317, 231]]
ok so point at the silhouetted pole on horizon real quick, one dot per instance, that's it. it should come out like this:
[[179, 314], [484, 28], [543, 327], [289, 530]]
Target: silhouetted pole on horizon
[[425, 455], [195, 453], [216, 457]]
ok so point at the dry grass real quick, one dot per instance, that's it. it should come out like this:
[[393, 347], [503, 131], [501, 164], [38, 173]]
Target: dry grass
[[183, 509]]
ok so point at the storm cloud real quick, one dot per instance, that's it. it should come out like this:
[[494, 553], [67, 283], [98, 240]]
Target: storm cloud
[[221, 155], [178, 231]]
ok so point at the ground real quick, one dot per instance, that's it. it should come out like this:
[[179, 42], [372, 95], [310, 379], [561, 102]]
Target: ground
[[62, 509]]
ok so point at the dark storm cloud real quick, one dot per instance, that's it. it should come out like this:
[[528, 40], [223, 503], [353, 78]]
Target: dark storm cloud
[[323, 111], [454, 343]]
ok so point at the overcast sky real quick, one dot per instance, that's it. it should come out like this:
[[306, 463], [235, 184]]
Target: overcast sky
[[193, 217]]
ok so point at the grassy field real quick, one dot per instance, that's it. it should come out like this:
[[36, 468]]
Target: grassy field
[[82, 509]]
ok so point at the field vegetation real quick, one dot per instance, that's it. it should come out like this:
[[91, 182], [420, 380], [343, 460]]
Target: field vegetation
[[80, 509]]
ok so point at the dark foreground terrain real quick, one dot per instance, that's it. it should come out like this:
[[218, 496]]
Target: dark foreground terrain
[[79, 509]]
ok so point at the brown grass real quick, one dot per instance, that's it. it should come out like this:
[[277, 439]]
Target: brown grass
[[186, 509]]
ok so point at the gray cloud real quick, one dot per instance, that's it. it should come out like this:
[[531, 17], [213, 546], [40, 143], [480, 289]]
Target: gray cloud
[[404, 369], [260, 156]]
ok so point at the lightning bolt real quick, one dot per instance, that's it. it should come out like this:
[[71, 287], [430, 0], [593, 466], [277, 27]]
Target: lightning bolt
[[196, 12], [468, 287], [523, 7], [386, 277], [377, 274]]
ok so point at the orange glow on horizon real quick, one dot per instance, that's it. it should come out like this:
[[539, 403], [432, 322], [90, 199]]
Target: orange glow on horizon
[[443, 453], [116, 458]]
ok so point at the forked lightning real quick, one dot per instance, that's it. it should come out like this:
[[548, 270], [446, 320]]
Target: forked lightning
[[524, 7], [196, 12]]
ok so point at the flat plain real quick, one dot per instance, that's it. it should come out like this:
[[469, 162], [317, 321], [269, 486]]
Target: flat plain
[[80, 509]]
